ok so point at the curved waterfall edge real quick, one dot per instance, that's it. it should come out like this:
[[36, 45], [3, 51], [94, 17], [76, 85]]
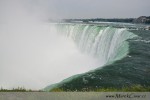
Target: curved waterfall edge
[[121, 52]]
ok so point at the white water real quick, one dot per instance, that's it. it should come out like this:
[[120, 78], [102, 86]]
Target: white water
[[104, 43]]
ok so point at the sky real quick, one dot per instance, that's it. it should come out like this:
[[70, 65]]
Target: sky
[[33, 55], [100, 8], [84, 8]]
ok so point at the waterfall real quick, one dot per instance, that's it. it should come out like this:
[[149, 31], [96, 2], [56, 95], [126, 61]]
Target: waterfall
[[108, 44]]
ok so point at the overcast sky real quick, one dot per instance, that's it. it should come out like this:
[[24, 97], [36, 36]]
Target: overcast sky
[[86, 8], [100, 8]]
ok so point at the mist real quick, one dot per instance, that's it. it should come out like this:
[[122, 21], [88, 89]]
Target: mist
[[32, 54]]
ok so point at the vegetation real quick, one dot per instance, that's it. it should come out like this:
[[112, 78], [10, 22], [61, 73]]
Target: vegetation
[[134, 88], [19, 89], [127, 20], [141, 19]]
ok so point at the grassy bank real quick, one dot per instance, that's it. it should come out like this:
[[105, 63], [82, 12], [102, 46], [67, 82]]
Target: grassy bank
[[134, 88], [19, 89]]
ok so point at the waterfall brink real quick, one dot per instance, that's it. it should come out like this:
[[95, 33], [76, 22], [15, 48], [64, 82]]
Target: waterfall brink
[[108, 44]]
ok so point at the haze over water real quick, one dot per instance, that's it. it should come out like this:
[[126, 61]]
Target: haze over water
[[32, 54]]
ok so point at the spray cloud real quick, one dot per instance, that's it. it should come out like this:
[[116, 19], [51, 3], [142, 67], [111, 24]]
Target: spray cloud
[[32, 55]]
